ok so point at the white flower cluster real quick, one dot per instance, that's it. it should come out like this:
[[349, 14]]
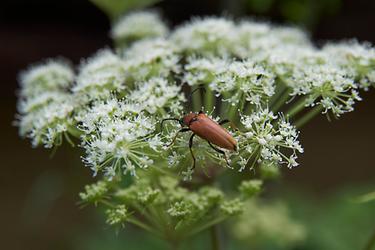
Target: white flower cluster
[[268, 139], [45, 105], [53, 75], [116, 137], [244, 80], [257, 39], [112, 115], [206, 36], [149, 58], [99, 76], [116, 146], [359, 59], [284, 54], [326, 85], [202, 70], [157, 93], [117, 99], [137, 26]]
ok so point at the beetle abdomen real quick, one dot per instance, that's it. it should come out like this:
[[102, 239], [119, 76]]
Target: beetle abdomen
[[211, 131]]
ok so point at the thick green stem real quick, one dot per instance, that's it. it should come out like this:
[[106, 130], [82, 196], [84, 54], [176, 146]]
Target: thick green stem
[[280, 100], [371, 242], [215, 239], [297, 107], [233, 109], [279, 90], [197, 101], [308, 116], [209, 100]]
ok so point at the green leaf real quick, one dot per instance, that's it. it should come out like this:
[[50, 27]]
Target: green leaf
[[366, 197], [115, 8]]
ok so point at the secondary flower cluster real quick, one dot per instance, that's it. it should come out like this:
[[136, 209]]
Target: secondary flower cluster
[[186, 211], [250, 71], [267, 142]]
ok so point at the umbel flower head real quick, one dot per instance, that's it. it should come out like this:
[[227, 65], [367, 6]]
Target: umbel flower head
[[260, 81], [99, 76], [250, 71], [117, 137], [45, 105], [265, 141], [161, 59]]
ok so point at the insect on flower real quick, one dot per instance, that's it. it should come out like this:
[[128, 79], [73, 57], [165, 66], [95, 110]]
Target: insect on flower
[[206, 128]]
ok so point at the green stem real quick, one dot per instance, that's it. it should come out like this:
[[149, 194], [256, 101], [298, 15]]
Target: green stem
[[74, 131], [280, 100], [280, 88], [308, 116], [197, 101], [67, 138], [162, 171], [144, 226], [149, 215], [209, 100], [215, 241], [371, 242], [207, 225], [296, 108], [233, 108], [107, 203]]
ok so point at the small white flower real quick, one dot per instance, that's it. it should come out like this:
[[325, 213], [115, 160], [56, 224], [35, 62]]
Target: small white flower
[[174, 159]]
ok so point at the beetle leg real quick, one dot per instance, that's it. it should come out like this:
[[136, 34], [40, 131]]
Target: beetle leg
[[175, 137], [221, 152], [191, 150], [231, 123], [223, 121], [169, 119]]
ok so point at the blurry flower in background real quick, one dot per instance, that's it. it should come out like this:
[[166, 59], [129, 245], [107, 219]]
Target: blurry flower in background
[[137, 26]]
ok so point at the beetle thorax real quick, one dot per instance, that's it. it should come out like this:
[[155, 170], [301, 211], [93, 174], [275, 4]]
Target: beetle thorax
[[187, 118]]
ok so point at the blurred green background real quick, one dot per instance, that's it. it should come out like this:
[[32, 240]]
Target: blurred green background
[[39, 194]]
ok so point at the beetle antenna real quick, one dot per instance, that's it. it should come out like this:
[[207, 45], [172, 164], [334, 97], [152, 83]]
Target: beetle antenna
[[168, 119]]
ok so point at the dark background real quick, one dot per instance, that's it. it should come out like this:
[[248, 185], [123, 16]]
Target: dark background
[[38, 195]]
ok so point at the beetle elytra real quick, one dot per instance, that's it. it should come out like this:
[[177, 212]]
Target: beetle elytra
[[206, 128]]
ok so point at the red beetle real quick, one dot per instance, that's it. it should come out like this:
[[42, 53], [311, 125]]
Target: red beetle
[[206, 128]]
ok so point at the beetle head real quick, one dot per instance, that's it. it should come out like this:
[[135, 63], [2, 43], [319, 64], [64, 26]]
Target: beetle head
[[187, 118]]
